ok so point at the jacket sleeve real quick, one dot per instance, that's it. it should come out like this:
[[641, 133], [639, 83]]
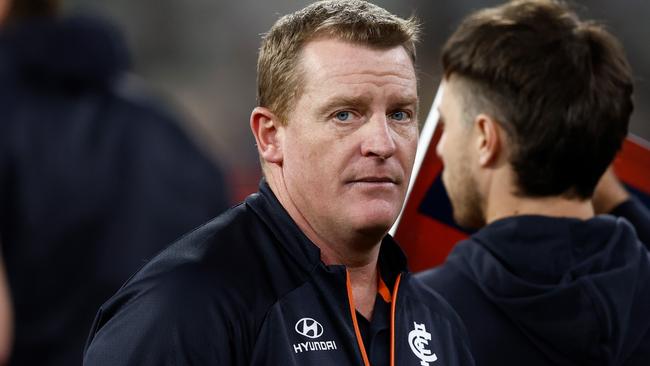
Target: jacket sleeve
[[638, 215], [159, 325]]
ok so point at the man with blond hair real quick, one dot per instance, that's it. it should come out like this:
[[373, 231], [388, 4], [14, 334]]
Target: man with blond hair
[[302, 272]]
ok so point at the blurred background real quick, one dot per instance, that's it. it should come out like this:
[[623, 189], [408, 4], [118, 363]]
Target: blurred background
[[200, 56], [87, 195]]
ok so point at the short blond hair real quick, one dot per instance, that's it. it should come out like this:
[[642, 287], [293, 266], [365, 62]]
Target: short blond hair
[[279, 77]]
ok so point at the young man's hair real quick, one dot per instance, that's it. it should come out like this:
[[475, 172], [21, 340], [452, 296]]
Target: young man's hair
[[28, 9], [560, 87], [279, 76]]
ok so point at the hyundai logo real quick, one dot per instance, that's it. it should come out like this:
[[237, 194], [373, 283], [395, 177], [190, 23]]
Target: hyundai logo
[[309, 328]]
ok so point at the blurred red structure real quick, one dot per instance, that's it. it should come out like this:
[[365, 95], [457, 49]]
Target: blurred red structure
[[243, 182]]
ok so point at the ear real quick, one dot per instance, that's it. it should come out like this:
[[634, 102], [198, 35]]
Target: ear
[[267, 131], [489, 140]]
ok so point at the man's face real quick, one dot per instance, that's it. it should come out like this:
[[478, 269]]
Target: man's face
[[455, 148], [350, 141]]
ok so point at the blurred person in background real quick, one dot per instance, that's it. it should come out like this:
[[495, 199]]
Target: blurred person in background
[[536, 104], [611, 197], [303, 272], [95, 178]]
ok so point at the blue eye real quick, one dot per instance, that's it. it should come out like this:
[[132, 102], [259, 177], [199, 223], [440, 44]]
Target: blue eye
[[399, 116], [343, 115]]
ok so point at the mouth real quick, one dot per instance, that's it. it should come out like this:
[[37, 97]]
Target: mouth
[[375, 180]]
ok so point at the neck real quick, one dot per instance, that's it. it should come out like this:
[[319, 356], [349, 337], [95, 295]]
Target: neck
[[362, 268], [547, 206], [353, 251], [504, 204], [363, 281], [501, 201]]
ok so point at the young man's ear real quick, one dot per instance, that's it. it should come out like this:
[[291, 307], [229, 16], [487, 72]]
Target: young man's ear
[[489, 139], [268, 136]]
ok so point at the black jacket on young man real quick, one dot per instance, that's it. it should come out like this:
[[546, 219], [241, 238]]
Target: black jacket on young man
[[638, 214], [536, 290], [249, 288]]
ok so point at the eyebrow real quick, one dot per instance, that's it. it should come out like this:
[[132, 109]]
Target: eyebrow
[[339, 101], [407, 102], [362, 100]]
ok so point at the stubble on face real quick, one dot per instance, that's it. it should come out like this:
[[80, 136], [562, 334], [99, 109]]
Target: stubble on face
[[458, 178], [466, 200]]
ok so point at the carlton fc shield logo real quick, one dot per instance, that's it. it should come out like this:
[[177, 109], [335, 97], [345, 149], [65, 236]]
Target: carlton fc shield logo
[[419, 341]]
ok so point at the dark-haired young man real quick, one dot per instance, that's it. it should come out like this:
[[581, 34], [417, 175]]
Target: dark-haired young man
[[536, 105], [302, 273]]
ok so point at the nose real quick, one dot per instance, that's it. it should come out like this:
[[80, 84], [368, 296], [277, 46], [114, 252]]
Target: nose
[[379, 140]]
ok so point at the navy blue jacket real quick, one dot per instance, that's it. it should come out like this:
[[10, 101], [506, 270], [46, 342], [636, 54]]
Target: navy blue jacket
[[536, 290], [95, 178], [634, 211], [249, 288]]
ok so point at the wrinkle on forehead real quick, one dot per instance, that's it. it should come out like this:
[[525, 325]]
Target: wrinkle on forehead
[[336, 73], [360, 68], [379, 77], [359, 80], [355, 61]]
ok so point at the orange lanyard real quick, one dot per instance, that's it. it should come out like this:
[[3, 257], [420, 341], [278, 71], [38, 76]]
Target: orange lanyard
[[384, 292]]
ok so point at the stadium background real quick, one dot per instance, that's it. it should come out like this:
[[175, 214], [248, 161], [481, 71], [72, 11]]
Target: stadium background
[[200, 56]]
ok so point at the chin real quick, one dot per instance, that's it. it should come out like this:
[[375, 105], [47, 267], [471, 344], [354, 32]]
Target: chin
[[375, 222], [369, 236], [466, 201]]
